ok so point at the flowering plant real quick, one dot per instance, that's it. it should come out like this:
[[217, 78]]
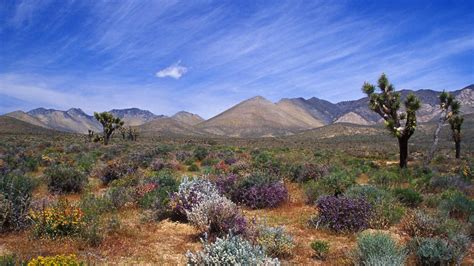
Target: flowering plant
[[65, 260], [63, 219]]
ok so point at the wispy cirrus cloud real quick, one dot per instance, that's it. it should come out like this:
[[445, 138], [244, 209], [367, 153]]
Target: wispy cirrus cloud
[[106, 54], [175, 71]]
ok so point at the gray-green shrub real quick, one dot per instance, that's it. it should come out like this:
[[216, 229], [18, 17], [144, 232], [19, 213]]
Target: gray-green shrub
[[230, 250], [375, 249]]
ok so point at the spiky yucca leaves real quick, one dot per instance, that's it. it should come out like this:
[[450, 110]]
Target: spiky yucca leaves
[[450, 109], [387, 104], [109, 123]]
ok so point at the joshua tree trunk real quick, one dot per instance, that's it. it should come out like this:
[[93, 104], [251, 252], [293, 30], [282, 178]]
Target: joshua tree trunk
[[458, 149], [432, 151], [403, 145]]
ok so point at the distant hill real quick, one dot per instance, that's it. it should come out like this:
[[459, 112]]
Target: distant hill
[[72, 120], [20, 115], [257, 117], [10, 125], [134, 116], [187, 118]]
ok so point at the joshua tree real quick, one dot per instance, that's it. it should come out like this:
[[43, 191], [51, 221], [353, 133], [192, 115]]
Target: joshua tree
[[90, 135], [132, 134], [455, 122], [387, 105], [109, 123], [449, 108], [123, 132]]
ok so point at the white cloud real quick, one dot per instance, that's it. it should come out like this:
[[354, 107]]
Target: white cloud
[[174, 71]]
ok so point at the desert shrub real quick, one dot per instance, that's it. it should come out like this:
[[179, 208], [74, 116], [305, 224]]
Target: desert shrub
[[182, 155], [95, 205], [438, 251], [5, 210], [336, 183], [275, 241], [66, 260], [308, 171], [227, 185], [64, 179], [385, 178], [200, 153], [209, 162], [93, 208], [163, 149], [342, 214], [456, 204], [264, 196], [442, 183], [15, 200], [217, 216], [193, 168], [190, 193], [155, 194], [157, 164], [419, 224], [386, 210], [85, 161], [375, 249], [10, 260], [259, 190], [115, 170], [189, 161], [320, 248], [240, 167], [62, 219], [408, 197], [119, 196], [230, 250]]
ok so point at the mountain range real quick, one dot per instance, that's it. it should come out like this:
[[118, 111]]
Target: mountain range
[[255, 117]]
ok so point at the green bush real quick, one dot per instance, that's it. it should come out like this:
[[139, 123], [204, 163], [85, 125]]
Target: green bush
[[438, 251], [336, 183], [320, 248], [385, 178], [275, 241], [15, 200], [456, 204], [10, 260], [200, 153], [64, 179], [163, 185], [375, 249], [193, 168], [408, 197]]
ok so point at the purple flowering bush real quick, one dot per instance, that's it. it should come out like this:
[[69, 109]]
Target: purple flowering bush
[[256, 191], [343, 214], [264, 196]]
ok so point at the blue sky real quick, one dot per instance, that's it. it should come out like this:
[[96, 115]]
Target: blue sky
[[205, 56]]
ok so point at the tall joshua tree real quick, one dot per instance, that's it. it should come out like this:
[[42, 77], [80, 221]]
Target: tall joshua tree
[[449, 108], [109, 123], [386, 103], [455, 122]]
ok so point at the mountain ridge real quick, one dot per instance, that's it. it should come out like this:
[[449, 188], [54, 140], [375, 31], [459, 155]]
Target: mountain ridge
[[253, 117]]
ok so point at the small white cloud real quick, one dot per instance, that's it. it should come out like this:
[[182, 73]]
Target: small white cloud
[[174, 71]]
